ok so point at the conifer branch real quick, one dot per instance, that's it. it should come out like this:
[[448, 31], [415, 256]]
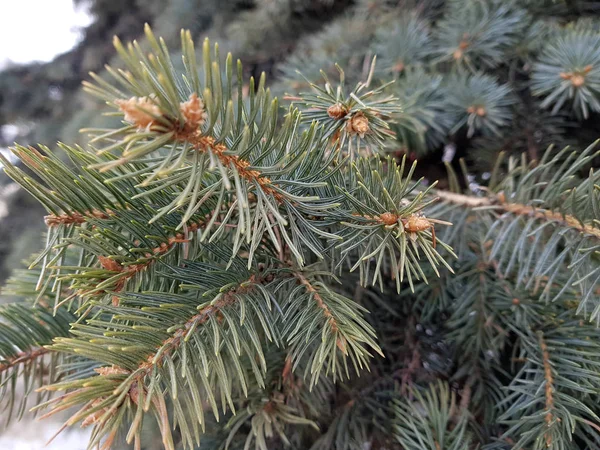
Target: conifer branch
[[548, 387], [341, 336], [212, 310], [75, 217], [326, 312], [237, 242], [498, 203], [24, 332], [25, 357]]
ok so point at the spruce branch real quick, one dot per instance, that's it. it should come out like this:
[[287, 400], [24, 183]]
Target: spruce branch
[[386, 227], [430, 422], [283, 405], [353, 117], [550, 199], [426, 117], [220, 250], [568, 71], [214, 129], [24, 331], [546, 407], [405, 44], [479, 103], [137, 378], [325, 328], [477, 33]]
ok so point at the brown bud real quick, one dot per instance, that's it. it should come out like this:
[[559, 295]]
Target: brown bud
[[388, 218], [140, 111], [417, 223], [481, 111], [193, 111], [110, 264], [111, 370], [341, 344], [358, 124], [337, 111], [577, 80], [458, 54]]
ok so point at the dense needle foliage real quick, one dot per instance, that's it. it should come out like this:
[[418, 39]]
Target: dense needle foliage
[[242, 272]]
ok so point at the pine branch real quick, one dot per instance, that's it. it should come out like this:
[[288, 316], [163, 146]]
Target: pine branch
[[568, 72], [24, 363], [549, 403], [350, 118], [387, 221], [432, 421], [547, 200], [499, 203], [404, 45], [270, 413], [479, 103], [476, 34], [325, 328], [219, 248], [217, 337]]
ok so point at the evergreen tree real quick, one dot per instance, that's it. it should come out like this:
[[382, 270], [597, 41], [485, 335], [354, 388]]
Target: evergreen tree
[[244, 275]]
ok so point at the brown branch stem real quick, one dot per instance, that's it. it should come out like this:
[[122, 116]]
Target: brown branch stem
[[518, 209], [23, 357], [53, 220], [310, 288], [341, 340], [549, 387], [208, 143]]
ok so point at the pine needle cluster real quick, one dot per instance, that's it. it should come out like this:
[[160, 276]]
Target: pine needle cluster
[[240, 275]]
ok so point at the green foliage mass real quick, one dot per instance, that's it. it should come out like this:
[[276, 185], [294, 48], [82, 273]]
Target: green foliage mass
[[236, 271]]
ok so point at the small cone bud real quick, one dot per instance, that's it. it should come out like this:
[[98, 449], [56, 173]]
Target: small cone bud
[[399, 67], [388, 218], [110, 264], [140, 111], [578, 80], [358, 124], [337, 111], [193, 111]]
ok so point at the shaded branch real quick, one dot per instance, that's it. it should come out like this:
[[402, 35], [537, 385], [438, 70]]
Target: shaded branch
[[549, 387], [23, 358], [499, 202]]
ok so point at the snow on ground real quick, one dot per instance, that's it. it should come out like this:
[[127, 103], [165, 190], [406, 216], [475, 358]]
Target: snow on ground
[[33, 435]]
